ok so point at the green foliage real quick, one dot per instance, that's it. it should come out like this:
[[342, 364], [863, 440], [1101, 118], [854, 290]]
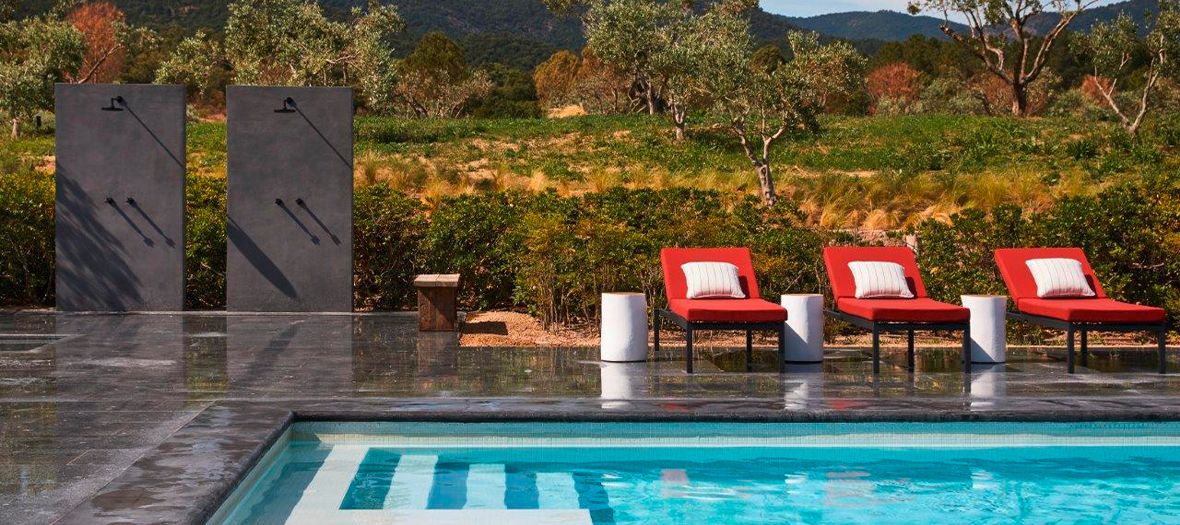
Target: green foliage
[[554, 255], [1115, 47], [478, 236], [34, 54], [1129, 232], [194, 64], [388, 231], [26, 230], [292, 42], [513, 95], [513, 51], [774, 100], [205, 242], [435, 82]]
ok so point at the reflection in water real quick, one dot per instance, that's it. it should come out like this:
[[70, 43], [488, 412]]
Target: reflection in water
[[989, 384], [622, 382], [206, 364], [805, 386]]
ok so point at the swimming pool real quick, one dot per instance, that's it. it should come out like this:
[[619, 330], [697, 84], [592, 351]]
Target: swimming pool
[[689, 473]]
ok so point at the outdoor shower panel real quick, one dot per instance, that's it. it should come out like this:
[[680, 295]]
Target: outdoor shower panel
[[289, 228], [120, 169]]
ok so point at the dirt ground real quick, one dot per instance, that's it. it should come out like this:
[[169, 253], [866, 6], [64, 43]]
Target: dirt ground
[[514, 329]]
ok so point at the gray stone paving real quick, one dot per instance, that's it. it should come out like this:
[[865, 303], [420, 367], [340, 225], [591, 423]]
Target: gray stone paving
[[81, 410]]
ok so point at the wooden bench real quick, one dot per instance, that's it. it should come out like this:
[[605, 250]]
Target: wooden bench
[[437, 296]]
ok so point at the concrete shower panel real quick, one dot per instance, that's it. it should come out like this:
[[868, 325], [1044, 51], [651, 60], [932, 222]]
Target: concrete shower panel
[[290, 199], [120, 164]]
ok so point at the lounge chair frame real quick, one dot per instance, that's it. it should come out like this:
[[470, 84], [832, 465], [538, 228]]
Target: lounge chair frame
[[692, 326], [1071, 327], [908, 328]]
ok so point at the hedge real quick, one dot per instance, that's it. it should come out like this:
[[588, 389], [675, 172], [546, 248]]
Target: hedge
[[553, 255]]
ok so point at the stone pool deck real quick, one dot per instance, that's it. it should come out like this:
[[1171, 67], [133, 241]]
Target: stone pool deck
[[104, 404]]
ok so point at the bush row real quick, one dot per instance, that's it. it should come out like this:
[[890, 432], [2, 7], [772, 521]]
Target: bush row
[[554, 255], [1130, 232]]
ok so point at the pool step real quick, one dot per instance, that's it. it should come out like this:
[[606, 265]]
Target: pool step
[[440, 517]]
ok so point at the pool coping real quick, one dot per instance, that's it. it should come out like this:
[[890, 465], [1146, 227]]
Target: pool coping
[[187, 477]]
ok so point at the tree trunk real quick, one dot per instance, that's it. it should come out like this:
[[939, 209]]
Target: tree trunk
[[679, 118], [1019, 100], [766, 180], [15, 129], [651, 100]]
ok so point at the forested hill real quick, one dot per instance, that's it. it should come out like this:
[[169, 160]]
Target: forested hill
[[527, 20], [523, 33], [892, 26], [889, 26]]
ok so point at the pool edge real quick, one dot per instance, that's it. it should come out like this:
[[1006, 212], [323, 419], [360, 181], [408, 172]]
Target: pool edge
[[153, 491]]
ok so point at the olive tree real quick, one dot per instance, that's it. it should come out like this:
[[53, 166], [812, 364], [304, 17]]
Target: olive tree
[[1114, 48], [435, 82], [684, 50], [660, 45], [35, 53], [766, 100], [628, 34], [1000, 34], [193, 64], [291, 42]]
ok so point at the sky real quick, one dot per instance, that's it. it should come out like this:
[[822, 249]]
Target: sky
[[819, 7]]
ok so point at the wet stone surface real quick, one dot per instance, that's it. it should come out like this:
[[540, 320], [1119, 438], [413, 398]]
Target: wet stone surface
[[174, 406]]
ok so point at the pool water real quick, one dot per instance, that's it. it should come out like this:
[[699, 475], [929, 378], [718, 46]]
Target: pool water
[[435, 473]]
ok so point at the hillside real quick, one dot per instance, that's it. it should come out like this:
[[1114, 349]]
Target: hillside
[[1085, 21], [519, 33], [892, 26], [889, 26]]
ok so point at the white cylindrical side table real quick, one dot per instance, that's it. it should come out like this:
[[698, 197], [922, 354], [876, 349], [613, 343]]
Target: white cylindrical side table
[[989, 337], [805, 327], [624, 327]]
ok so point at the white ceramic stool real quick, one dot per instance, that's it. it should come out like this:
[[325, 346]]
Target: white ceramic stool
[[989, 337], [805, 327], [624, 327]]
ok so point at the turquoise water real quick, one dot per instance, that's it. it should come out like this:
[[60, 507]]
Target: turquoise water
[[717, 474]]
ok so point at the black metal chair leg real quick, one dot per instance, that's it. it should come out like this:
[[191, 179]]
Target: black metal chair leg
[[910, 350], [1069, 349], [656, 334], [688, 350], [782, 348], [1085, 348], [1163, 357], [876, 350], [749, 351], [967, 350]]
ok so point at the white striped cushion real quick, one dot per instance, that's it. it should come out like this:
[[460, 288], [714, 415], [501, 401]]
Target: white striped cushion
[[1059, 278], [880, 280], [712, 280]]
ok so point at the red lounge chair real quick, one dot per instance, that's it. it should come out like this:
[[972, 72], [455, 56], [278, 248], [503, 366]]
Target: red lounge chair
[[749, 314], [892, 315], [1092, 314]]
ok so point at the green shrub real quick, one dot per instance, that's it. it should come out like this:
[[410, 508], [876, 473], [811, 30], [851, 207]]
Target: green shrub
[[479, 237], [205, 243], [611, 241], [26, 235], [555, 255], [1130, 232], [388, 231]]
